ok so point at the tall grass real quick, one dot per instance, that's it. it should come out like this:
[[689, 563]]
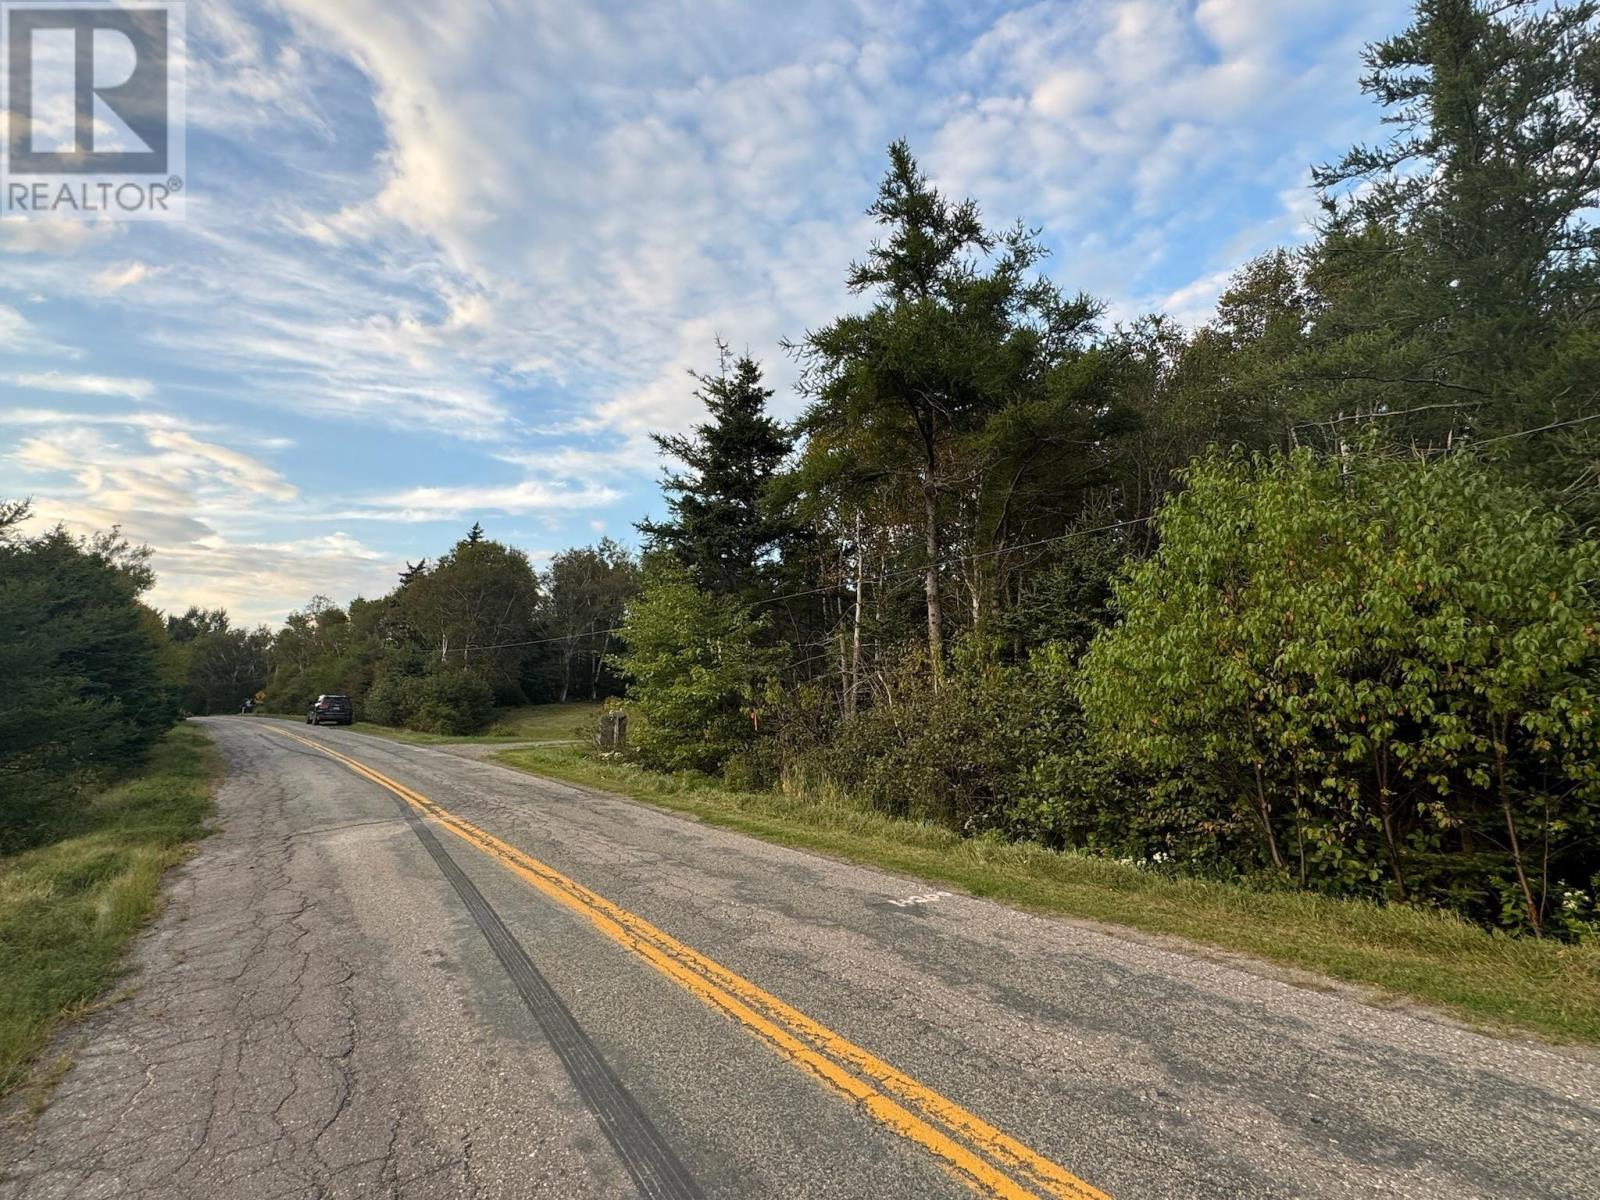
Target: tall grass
[[68, 908]]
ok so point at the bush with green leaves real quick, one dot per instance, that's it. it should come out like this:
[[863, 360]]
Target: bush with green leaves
[[449, 702], [1384, 669], [453, 702], [696, 666], [949, 753], [1067, 792], [85, 687]]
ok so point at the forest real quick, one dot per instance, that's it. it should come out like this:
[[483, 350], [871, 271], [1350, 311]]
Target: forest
[[1305, 596]]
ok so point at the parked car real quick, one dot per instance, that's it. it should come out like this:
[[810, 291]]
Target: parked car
[[331, 710]]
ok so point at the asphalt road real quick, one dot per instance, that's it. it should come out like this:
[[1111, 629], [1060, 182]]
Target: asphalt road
[[435, 977]]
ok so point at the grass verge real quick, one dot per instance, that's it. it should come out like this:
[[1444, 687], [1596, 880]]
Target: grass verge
[[1493, 981], [69, 908], [525, 723]]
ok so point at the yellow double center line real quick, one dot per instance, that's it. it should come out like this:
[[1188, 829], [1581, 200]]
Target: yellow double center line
[[988, 1160]]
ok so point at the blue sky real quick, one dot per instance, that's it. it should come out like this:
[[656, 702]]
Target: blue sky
[[452, 262]]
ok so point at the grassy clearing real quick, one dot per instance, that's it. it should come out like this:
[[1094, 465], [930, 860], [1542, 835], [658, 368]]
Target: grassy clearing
[[68, 909], [1496, 982], [524, 723]]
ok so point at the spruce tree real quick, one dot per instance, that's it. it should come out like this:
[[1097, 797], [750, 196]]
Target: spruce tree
[[1459, 268], [720, 527]]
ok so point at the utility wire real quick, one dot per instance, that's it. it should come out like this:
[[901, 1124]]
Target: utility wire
[[910, 573], [913, 573], [1540, 429]]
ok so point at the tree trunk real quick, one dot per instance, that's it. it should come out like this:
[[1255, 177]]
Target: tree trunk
[[1266, 818], [1501, 731], [599, 665], [1380, 763], [855, 634], [935, 611]]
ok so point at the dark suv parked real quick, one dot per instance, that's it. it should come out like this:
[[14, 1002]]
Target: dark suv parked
[[334, 710]]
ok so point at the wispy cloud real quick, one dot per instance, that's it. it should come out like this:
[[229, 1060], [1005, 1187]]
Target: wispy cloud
[[126, 275], [450, 503], [83, 385]]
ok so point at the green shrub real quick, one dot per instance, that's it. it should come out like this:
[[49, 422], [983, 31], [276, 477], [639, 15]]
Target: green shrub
[[695, 666], [952, 755], [1069, 793], [83, 686], [451, 702], [390, 700], [454, 702], [1384, 669]]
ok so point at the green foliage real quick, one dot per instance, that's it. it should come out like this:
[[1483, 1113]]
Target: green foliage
[[721, 529], [1387, 666], [220, 666], [448, 702], [474, 612], [476, 609], [1458, 269], [586, 592], [1067, 792], [945, 402], [948, 755], [696, 663], [86, 687], [1067, 600], [320, 649]]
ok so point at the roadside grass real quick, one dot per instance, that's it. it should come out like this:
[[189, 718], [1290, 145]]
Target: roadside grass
[[570, 722], [69, 908], [1486, 978]]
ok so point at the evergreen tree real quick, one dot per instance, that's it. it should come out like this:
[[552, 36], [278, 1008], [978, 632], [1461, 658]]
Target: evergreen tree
[[82, 660], [720, 527], [1459, 268], [906, 395]]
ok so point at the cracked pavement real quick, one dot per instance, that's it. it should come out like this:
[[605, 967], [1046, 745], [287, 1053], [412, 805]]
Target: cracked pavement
[[316, 1015]]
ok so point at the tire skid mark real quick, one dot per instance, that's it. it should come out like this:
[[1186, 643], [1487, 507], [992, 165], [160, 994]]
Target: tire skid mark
[[969, 1148]]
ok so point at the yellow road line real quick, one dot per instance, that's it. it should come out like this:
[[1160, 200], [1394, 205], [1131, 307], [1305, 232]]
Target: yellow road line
[[798, 1038]]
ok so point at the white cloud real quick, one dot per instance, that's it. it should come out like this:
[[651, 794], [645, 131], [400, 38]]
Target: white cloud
[[114, 279], [229, 467], [449, 503], [199, 505], [14, 328], [83, 385], [1196, 301], [58, 236]]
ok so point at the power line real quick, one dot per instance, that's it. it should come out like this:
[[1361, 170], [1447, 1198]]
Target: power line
[[1540, 429], [1375, 416], [914, 572], [909, 573]]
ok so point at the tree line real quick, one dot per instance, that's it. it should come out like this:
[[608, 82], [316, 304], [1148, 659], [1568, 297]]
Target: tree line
[[475, 628]]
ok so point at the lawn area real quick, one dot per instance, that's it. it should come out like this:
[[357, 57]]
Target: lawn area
[[524, 723], [1489, 979], [69, 908]]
